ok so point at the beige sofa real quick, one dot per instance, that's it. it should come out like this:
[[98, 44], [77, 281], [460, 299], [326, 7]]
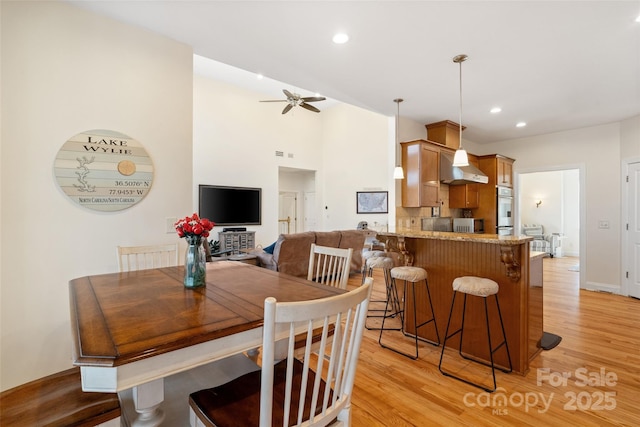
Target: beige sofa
[[291, 252]]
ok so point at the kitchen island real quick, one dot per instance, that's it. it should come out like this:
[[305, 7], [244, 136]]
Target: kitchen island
[[504, 259]]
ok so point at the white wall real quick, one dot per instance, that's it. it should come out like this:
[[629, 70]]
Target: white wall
[[236, 137], [355, 153], [65, 71], [596, 151], [630, 138]]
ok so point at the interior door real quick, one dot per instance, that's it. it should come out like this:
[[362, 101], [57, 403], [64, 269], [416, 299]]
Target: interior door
[[633, 249], [287, 213]]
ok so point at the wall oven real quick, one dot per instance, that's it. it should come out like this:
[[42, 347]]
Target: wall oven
[[504, 211]]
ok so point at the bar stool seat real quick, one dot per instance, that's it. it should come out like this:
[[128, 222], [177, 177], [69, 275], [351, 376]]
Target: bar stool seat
[[386, 264], [411, 275], [476, 287]]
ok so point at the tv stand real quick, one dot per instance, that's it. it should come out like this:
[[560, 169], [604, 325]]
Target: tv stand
[[236, 240]]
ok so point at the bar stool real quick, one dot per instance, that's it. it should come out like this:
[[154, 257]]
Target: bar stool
[[386, 264], [478, 287], [412, 275], [366, 255]]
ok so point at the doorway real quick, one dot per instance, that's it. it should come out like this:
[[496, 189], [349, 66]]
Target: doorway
[[555, 200], [296, 201]]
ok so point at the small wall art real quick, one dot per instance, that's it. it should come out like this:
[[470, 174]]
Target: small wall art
[[371, 202]]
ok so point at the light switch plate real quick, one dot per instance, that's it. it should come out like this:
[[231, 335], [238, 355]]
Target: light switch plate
[[169, 227]]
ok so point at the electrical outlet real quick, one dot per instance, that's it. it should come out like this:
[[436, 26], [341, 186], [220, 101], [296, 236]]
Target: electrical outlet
[[603, 224], [169, 227]]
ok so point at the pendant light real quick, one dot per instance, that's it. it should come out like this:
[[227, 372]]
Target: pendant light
[[398, 173], [460, 158]]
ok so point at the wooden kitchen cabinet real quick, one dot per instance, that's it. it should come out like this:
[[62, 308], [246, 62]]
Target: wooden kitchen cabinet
[[499, 169], [465, 196], [505, 171], [421, 185]]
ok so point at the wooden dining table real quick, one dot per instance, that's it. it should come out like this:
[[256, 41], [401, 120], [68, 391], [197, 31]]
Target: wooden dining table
[[130, 330]]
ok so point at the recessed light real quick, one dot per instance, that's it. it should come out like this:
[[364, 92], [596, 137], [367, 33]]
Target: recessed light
[[638, 18], [340, 38], [520, 124], [259, 76], [495, 110]]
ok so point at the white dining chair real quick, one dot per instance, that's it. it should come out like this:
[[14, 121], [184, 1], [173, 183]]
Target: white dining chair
[[131, 258], [302, 392], [329, 266]]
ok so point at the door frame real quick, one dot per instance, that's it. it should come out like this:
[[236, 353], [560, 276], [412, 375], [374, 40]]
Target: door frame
[[625, 261]]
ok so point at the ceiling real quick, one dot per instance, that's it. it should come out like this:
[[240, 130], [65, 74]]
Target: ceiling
[[556, 65]]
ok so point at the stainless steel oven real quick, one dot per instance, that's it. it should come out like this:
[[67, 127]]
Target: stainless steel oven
[[505, 211]]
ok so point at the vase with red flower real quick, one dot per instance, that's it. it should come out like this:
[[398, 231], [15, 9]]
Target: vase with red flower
[[195, 230]]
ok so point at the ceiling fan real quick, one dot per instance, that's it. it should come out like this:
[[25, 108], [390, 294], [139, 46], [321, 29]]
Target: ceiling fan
[[295, 100]]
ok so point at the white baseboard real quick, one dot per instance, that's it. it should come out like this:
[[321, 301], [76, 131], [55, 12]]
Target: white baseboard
[[603, 287]]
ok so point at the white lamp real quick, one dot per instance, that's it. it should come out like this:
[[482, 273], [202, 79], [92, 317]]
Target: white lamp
[[460, 158], [398, 173]]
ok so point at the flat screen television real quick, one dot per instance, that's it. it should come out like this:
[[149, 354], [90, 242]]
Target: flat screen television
[[230, 205]]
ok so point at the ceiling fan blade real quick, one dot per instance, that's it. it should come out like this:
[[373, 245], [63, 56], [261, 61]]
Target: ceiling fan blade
[[310, 107], [287, 108], [313, 98], [288, 94]]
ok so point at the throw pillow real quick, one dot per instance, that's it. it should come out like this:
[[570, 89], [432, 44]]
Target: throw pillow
[[269, 249]]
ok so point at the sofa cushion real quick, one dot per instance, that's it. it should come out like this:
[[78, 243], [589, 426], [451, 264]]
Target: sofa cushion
[[353, 239], [328, 238], [291, 253]]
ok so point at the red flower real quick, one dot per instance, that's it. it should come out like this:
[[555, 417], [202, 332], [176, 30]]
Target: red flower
[[193, 226]]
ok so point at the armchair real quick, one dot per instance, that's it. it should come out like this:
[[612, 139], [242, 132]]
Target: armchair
[[541, 242]]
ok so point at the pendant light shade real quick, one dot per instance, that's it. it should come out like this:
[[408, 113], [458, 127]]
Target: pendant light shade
[[460, 158], [398, 173]]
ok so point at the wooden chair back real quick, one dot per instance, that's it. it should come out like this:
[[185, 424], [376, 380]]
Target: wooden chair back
[[292, 390], [132, 258], [329, 266]]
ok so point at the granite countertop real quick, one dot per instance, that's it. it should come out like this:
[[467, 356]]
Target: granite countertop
[[465, 237]]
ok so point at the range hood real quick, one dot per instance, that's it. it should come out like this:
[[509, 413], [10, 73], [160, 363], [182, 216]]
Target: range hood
[[459, 175]]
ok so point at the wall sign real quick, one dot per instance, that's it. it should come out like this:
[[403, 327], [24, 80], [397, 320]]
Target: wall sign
[[104, 170]]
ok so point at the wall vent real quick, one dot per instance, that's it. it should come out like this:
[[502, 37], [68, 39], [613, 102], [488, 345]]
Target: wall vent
[[279, 154]]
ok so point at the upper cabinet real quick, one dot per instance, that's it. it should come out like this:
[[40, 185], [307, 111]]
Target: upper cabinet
[[505, 172], [498, 168], [421, 185]]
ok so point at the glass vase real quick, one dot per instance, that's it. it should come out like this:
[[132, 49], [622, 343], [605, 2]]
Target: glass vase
[[195, 263]]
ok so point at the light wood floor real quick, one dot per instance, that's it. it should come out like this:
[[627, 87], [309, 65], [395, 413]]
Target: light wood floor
[[599, 355]]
